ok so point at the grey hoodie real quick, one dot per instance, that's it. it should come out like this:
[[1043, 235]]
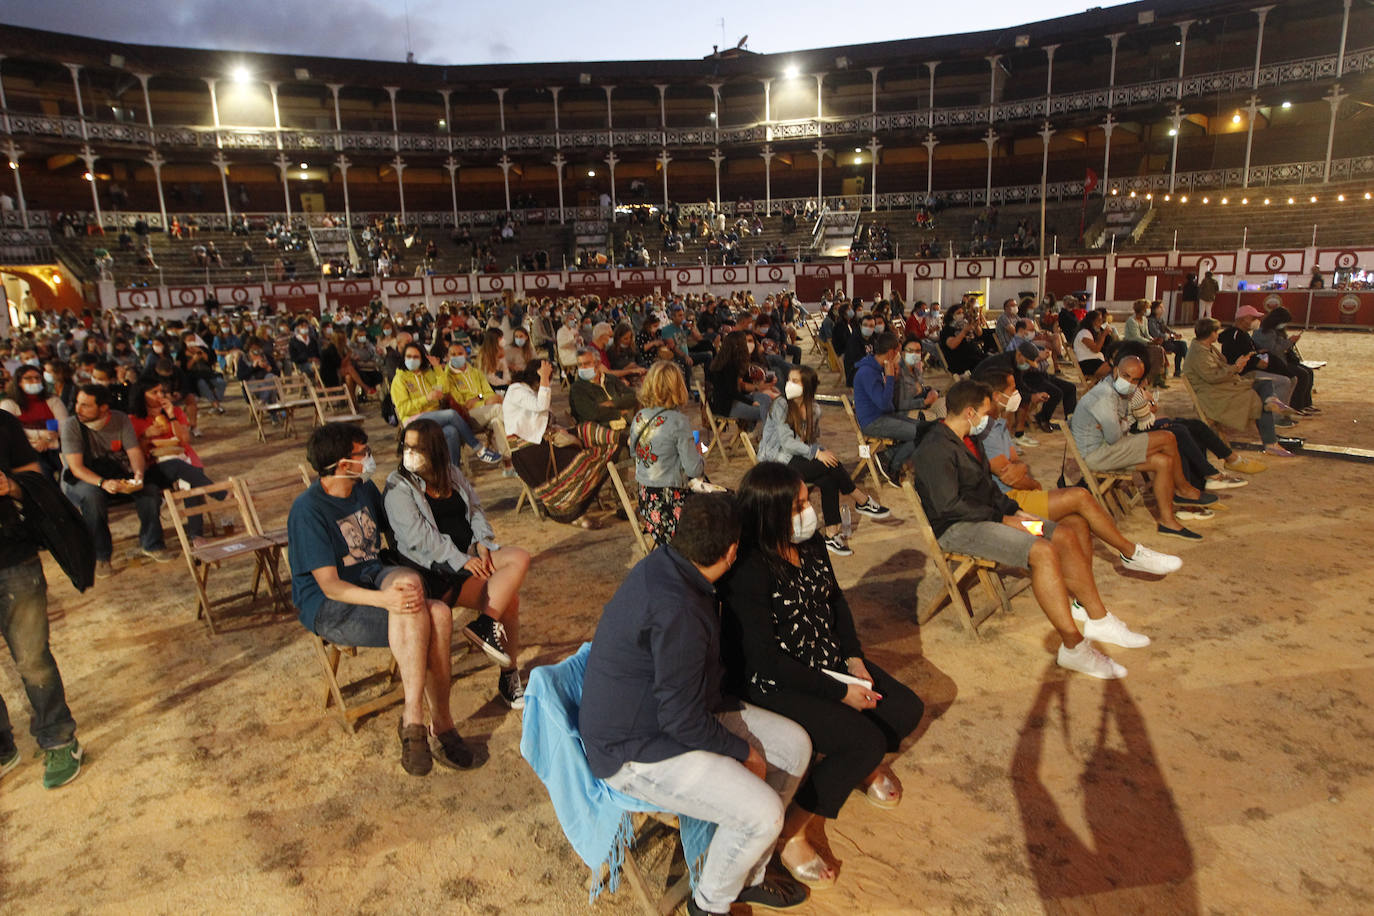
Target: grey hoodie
[[413, 527]]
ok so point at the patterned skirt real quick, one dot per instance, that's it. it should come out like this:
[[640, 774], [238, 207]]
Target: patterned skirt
[[566, 478], [659, 510]]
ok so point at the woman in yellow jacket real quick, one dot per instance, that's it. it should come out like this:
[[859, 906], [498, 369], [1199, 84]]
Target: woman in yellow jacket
[[419, 390]]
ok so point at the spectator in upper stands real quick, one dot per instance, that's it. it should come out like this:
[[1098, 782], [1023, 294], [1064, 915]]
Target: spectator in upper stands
[[969, 514], [439, 527], [421, 391], [599, 397], [667, 455], [103, 461], [656, 724], [346, 595], [1099, 427], [792, 437], [1225, 397], [875, 392]]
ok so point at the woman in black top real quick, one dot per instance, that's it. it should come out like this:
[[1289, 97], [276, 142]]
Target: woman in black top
[[786, 631], [739, 387], [959, 341]]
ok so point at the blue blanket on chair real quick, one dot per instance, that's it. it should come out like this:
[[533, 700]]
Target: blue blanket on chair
[[595, 818]]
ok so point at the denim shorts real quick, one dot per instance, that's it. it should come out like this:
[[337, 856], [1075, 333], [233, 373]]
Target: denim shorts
[[992, 541], [354, 624]]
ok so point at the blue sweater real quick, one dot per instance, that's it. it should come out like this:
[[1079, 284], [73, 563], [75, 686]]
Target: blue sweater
[[653, 681], [874, 391]]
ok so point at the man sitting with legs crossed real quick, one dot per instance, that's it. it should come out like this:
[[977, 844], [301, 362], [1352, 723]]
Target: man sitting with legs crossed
[[970, 515]]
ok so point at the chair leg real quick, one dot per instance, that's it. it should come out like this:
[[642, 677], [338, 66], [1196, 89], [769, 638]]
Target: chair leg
[[329, 658]]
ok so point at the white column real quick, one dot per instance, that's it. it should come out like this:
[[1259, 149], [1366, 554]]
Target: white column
[[767, 154], [13, 153], [820, 84], [715, 111], [1045, 133], [501, 110], [930, 143], [610, 120], [452, 165], [1107, 126], [1345, 27], [931, 65], [1182, 52], [873, 105], [662, 105], [819, 150], [147, 100], [1115, 39], [1049, 75], [395, 121], [4, 108], [343, 166], [1253, 108], [80, 105], [338, 115], [873, 147], [717, 158], [88, 156], [283, 165], [558, 163], [222, 163], [506, 163], [992, 60], [1176, 119], [553, 91], [448, 110], [210, 81], [611, 160], [989, 138], [399, 165], [276, 111], [663, 160], [157, 162], [1263, 13], [767, 98], [1334, 99]]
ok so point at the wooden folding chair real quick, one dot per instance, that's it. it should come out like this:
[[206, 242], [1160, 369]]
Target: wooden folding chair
[[256, 494], [211, 553], [526, 497], [258, 407], [329, 656], [832, 359], [335, 405], [643, 544], [953, 568], [718, 426], [1068, 366], [868, 447], [646, 824], [294, 393], [1197, 407], [1115, 491]]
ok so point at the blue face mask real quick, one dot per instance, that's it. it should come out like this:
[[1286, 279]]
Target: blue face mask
[[1123, 386], [458, 362], [587, 373], [866, 331], [977, 428], [413, 364]]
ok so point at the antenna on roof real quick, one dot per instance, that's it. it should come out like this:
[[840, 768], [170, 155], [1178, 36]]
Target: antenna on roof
[[722, 30], [410, 52]]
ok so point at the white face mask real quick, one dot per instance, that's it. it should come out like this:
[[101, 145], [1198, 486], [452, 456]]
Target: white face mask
[[1013, 403], [804, 525], [369, 468], [414, 461], [32, 387], [413, 364], [911, 359], [792, 390]]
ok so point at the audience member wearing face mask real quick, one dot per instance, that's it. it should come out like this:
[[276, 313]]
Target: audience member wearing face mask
[[420, 390], [439, 528], [787, 634]]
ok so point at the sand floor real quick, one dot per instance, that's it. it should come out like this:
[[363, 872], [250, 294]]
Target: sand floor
[[1229, 773]]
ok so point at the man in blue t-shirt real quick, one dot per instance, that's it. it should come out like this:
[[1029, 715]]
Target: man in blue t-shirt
[[348, 596]]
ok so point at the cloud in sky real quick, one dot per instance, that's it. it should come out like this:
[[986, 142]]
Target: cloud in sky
[[532, 30]]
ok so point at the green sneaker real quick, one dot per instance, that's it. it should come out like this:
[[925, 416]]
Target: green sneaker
[[61, 765]]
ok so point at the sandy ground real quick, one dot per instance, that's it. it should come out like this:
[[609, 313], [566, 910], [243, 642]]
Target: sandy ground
[[1229, 773]]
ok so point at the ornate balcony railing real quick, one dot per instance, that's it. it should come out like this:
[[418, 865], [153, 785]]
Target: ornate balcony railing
[[1305, 70]]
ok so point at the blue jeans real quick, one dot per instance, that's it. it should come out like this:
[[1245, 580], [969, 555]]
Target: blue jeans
[[903, 431], [758, 411], [24, 625], [748, 812], [456, 430], [94, 504], [166, 474], [212, 389]]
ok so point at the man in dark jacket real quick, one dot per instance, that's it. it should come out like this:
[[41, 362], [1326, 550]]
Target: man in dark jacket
[[971, 515], [24, 624], [597, 396], [657, 727]]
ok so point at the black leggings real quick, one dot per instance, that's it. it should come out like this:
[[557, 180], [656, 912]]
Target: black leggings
[[832, 483], [852, 742]]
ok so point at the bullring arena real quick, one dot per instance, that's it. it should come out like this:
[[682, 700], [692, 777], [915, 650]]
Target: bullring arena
[[1152, 143]]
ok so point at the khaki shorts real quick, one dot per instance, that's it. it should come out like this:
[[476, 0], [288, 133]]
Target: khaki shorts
[[1036, 502], [1123, 454]]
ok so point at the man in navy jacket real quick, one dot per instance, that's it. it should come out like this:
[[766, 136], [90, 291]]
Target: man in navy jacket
[[657, 726]]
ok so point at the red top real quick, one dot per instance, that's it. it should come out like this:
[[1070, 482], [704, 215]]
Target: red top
[[37, 414]]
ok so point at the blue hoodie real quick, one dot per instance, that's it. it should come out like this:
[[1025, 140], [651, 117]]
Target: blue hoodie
[[874, 391]]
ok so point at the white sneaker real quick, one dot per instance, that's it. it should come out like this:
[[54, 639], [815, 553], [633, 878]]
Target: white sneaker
[[1026, 440], [1193, 515], [1111, 630], [1225, 482], [1085, 659], [1079, 612], [1151, 561]]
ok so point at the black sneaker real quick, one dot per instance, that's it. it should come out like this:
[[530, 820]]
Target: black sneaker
[[873, 510], [838, 547], [452, 751], [694, 910], [489, 636], [511, 689], [1186, 534], [774, 893], [1206, 499], [416, 758]]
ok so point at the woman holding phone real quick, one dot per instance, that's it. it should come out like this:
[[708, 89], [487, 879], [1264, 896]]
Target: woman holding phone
[[790, 646]]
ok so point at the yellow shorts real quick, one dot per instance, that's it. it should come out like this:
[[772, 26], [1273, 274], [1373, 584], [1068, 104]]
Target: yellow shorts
[[1036, 502]]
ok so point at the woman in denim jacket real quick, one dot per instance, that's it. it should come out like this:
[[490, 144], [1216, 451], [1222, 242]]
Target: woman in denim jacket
[[666, 454]]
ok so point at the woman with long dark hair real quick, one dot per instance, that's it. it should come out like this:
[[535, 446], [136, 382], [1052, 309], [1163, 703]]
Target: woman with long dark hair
[[792, 436], [959, 340], [440, 529], [1273, 338], [40, 412], [739, 387], [790, 645], [164, 434]]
